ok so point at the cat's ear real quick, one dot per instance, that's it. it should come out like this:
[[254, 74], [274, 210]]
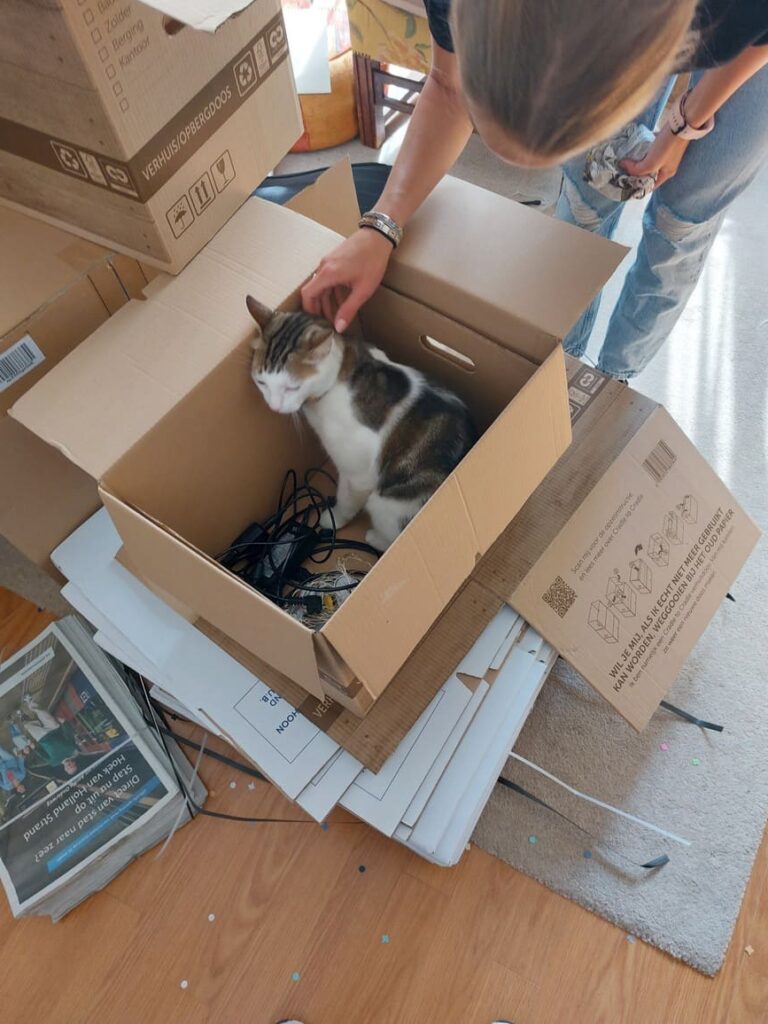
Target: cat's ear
[[319, 343], [261, 314]]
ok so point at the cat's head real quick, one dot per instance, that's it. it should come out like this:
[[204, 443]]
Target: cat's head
[[296, 357]]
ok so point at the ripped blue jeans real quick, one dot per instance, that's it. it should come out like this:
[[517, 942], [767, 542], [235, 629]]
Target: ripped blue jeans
[[680, 223]]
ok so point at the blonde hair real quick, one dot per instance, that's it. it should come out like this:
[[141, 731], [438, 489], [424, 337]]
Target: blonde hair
[[558, 75]]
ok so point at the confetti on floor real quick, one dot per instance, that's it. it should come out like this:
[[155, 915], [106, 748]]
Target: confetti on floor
[[233, 785], [695, 760], [295, 976], [384, 939], [748, 950], [663, 746], [533, 840], [630, 938], [184, 984], [587, 855], [251, 785], [361, 869], [211, 917]]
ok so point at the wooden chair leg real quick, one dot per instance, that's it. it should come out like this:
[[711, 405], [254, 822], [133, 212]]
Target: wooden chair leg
[[370, 115]]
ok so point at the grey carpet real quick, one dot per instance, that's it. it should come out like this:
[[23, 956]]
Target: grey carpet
[[713, 377]]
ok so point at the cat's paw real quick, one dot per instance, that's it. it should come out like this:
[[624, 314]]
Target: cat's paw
[[336, 521], [376, 540]]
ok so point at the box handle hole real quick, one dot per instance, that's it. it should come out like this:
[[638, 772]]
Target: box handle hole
[[439, 348], [172, 26]]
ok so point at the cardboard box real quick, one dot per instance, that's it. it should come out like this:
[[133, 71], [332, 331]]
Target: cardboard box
[[135, 130], [627, 549], [55, 290], [606, 417], [184, 470], [600, 439]]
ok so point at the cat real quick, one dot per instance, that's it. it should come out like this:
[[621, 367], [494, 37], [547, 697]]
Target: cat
[[393, 435]]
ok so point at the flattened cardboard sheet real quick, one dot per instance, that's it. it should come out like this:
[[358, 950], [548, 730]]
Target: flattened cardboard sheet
[[623, 554], [629, 585], [129, 373]]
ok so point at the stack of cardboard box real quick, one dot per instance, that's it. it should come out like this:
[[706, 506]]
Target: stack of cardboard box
[[123, 125], [136, 130], [617, 547]]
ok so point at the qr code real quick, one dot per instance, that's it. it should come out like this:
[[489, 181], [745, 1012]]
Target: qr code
[[560, 596]]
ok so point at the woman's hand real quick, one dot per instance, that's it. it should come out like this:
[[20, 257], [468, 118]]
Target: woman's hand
[[662, 159], [347, 277]]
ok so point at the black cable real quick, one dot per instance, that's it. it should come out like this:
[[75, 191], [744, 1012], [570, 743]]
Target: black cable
[[318, 502], [295, 526], [213, 754], [713, 726], [655, 862], [164, 730]]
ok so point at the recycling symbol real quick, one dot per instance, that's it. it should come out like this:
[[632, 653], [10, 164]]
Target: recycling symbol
[[245, 74], [68, 159]]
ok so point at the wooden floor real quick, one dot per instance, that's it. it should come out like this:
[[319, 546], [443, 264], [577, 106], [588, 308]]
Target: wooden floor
[[299, 927]]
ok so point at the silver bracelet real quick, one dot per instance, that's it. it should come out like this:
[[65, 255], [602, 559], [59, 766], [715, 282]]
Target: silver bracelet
[[384, 224]]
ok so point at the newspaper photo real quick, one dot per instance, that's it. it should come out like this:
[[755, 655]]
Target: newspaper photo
[[75, 774]]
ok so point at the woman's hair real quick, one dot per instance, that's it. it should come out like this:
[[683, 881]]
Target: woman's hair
[[558, 75]]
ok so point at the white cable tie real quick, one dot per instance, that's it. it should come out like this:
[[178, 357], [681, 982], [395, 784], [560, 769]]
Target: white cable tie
[[600, 803]]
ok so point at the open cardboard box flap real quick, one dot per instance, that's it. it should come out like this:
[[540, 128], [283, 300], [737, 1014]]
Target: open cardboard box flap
[[55, 290], [132, 375], [207, 15], [535, 271], [121, 381], [37, 263]]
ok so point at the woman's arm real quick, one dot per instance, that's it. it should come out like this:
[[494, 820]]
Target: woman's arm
[[712, 90], [719, 84], [437, 133]]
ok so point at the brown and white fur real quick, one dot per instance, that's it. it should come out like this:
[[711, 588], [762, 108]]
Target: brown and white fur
[[393, 435]]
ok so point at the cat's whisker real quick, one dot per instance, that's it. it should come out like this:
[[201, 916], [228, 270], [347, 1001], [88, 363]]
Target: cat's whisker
[[299, 424]]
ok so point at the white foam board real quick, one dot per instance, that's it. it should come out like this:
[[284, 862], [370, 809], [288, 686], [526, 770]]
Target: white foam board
[[425, 790], [326, 789], [466, 814], [381, 799], [288, 748], [507, 644], [501, 713], [477, 661]]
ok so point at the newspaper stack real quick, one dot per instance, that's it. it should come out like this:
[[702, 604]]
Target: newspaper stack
[[430, 792], [85, 785]]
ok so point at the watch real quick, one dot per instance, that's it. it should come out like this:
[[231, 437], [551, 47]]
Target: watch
[[384, 224], [679, 126]]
